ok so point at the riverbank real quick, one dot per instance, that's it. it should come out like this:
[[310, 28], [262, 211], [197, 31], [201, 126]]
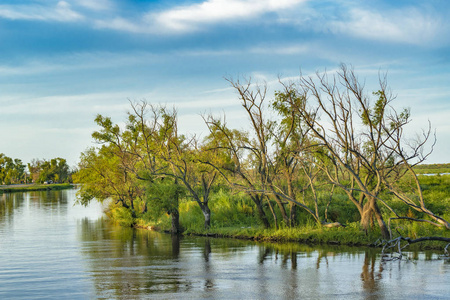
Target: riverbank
[[352, 235], [234, 216], [311, 236], [34, 187]]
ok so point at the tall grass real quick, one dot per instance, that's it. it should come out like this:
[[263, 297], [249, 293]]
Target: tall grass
[[235, 215], [35, 187]]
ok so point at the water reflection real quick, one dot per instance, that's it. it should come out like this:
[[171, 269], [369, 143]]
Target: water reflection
[[369, 276], [52, 249], [125, 262], [40, 200]]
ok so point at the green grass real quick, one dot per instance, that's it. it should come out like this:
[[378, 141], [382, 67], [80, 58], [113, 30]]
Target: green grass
[[35, 187], [432, 168], [234, 216], [350, 235]]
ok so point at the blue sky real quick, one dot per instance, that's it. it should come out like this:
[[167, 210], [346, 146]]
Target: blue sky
[[62, 62]]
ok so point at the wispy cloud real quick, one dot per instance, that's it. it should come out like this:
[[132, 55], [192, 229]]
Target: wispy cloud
[[410, 25], [193, 17], [96, 5], [77, 61], [61, 12], [121, 24]]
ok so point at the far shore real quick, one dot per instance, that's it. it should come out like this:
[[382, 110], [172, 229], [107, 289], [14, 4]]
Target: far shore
[[14, 188]]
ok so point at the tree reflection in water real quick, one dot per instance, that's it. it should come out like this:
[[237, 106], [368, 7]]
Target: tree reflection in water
[[125, 262], [369, 277], [51, 247]]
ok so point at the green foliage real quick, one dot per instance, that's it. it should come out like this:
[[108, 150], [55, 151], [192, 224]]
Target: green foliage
[[432, 168], [228, 210], [162, 196], [55, 170], [103, 175], [325, 134], [191, 216], [233, 209], [36, 187], [12, 171], [121, 216]]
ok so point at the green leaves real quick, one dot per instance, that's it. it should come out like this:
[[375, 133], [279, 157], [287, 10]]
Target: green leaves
[[162, 195], [56, 170], [11, 170], [374, 116]]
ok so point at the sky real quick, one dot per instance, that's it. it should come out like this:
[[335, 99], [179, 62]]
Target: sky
[[64, 62]]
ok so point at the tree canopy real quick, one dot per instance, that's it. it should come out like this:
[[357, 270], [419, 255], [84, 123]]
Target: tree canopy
[[321, 141]]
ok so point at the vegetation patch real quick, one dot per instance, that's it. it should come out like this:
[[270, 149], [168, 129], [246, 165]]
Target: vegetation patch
[[432, 168], [323, 161], [35, 187]]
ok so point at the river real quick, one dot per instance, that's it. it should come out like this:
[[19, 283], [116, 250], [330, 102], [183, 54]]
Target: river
[[51, 249]]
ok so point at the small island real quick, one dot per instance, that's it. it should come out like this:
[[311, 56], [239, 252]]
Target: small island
[[319, 162]]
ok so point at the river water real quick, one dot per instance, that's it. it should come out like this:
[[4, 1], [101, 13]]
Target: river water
[[51, 249]]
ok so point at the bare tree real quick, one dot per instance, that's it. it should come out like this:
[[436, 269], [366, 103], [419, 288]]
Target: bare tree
[[231, 160], [277, 152], [363, 139]]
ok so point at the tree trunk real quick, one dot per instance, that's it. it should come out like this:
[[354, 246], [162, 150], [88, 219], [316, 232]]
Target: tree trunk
[[280, 206], [175, 221], [261, 213], [366, 217], [384, 229], [275, 219], [207, 214], [371, 210], [293, 214]]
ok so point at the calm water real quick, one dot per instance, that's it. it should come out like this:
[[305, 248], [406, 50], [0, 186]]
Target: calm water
[[50, 249]]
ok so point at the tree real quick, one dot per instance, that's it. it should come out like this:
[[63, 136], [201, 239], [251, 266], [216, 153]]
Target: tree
[[150, 150], [252, 98], [105, 175], [363, 139], [278, 157], [164, 194], [232, 161], [55, 170], [179, 157], [12, 171]]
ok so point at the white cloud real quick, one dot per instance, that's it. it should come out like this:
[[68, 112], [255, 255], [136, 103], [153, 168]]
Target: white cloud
[[97, 5], [193, 17], [77, 61], [61, 12], [407, 25], [122, 24]]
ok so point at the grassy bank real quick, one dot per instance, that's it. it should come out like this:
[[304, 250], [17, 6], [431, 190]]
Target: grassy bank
[[432, 168], [35, 187], [234, 216]]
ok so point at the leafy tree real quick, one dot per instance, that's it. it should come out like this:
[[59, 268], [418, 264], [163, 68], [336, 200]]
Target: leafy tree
[[12, 171], [127, 165], [164, 195], [177, 155], [104, 175], [54, 170]]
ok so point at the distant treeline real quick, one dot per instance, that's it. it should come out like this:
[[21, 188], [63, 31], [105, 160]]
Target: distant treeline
[[35, 187], [432, 168], [14, 171]]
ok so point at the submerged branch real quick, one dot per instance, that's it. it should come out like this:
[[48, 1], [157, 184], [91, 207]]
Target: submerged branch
[[396, 243]]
